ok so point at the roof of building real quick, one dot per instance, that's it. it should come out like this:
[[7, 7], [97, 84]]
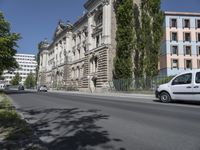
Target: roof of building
[[182, 13], [19, 54]]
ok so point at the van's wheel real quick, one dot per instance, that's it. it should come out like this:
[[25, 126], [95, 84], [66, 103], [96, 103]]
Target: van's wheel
[[165, 97]]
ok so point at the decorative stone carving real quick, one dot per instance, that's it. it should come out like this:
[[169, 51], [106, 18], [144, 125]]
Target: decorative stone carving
[[105, 2]]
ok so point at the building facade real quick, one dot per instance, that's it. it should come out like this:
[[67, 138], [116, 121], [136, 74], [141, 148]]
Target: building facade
[[81, 54], [27, 64], [181, 43]]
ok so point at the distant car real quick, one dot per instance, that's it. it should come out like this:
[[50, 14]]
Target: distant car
[[2, 86], [42, 88], [7, 87], [21, 88]]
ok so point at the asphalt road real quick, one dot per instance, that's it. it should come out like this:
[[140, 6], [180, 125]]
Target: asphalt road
[[81, 122]]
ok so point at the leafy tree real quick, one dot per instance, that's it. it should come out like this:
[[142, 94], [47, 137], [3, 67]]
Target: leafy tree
[[30, 81], [37, 68], [8, 45], [152, 19], [125, 35], [16, 80]]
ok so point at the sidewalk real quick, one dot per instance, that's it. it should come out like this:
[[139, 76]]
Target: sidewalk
[[107, 94]]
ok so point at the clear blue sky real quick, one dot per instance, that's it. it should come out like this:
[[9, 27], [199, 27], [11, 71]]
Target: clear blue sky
[[37, 19]]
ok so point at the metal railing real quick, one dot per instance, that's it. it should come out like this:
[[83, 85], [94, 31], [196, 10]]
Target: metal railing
[[138, 84]]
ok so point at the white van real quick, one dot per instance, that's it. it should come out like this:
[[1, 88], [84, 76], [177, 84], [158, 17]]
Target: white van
[[185, 86]]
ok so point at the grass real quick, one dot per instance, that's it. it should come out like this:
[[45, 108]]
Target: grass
[[15, 133]]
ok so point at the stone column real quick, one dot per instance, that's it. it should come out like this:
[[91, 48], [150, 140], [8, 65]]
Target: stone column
[[90, 30], [106, 37]]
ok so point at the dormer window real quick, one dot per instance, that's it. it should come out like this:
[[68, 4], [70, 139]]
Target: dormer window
[[98, 17]]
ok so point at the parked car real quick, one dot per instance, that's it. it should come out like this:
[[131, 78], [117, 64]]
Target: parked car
[[2, 86], [185, 86], [21, 88], [42, 88]]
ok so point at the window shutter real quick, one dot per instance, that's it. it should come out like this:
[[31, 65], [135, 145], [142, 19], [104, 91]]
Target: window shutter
[[183, 23]]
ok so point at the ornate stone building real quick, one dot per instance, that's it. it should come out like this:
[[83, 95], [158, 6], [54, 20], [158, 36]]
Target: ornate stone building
[[81, 55]]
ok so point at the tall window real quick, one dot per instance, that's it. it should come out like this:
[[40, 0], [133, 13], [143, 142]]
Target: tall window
[[96, 63], [97, 41], [198, 23], [174, 63], [93, 64], [79, 53], [188, 50], [187, 36], [174, 50], [78, 72], [173, 23], [198, 37], [174, 36], [186, 23], [198, 50], [79, 37], [98, 18], [188, 64]]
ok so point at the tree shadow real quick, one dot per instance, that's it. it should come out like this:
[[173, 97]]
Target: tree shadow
[[10, 92], [70, 129]]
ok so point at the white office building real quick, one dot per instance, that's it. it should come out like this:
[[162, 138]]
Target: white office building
[[27, 64]]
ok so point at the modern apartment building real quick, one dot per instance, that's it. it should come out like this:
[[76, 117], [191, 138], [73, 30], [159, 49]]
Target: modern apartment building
[[27, 64], [181, 43], [81, 54]]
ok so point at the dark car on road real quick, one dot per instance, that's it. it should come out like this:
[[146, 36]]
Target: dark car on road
[[21, 88]]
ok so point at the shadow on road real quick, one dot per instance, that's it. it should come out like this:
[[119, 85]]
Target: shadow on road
[[184, 102], [71, 129], [9, 92]]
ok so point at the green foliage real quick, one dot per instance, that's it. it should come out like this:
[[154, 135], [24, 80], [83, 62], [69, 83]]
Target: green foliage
[[165, 80], [30, 81], [125, 39], [152, 19], [16, 80], [8, 45], [37, 68], [123, 68]]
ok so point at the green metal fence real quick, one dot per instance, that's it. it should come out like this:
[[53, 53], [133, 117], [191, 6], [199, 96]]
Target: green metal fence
[[143, 83]]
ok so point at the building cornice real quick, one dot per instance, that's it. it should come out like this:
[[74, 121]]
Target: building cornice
[[170, 13]]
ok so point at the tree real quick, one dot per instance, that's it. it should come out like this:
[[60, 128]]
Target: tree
[[152, 33], [16, 80], [8, 45], [30, 81], [37, 68], [125, 34]]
